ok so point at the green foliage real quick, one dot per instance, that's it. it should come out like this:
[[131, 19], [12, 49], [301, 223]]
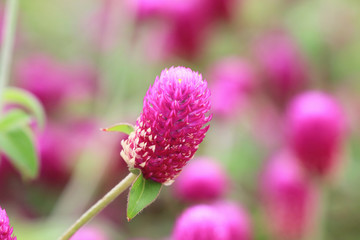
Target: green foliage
[[16, 137], [18, 144], [120, 127], [27, 101], [142, 193]]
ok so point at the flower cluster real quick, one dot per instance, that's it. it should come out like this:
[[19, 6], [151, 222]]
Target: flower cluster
[[171, 125]]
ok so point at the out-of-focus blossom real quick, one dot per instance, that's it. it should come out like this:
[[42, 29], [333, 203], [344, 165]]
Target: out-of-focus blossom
[[237, 220], [221, 221], [53, 82], [188, 21], [89, 233], [316, 128], [201, 222], [171, 125], [283, 66], [202, 180], [6, 231], [232, 82], [289, 197]]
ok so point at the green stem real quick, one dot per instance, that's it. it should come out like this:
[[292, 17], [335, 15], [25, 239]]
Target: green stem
[[100, 205], [7, 43]]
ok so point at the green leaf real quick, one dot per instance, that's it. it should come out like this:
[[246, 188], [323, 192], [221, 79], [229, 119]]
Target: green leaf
[[14, 119], [18, 145], [142, 193], [28, 101], [120, 127]]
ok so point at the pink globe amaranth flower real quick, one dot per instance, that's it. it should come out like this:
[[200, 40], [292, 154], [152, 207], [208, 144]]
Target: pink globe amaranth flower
[[316, 129], [232, 82], [171, 125], [201, 222], [89, 233], [237, 220], [220, 221], [284, 70], [289, 198], [5, 229], [53, 82], [202, 180]]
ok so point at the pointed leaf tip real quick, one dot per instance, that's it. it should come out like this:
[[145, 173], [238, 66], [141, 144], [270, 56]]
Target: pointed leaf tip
[[120, 127], [142, 193]]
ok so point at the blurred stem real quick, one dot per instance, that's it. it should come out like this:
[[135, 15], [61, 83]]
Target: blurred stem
[[100, 205], [7, 43]]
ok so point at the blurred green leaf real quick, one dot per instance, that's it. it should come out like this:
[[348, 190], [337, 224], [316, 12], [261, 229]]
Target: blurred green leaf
[[18, 145], [120, 127], [14, 119], [26, 100], [142, 193]]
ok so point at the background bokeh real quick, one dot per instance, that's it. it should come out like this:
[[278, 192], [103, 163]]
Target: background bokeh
[[91, 62]]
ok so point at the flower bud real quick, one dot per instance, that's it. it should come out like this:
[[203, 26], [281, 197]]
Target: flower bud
[[289, 198], [5, 229], [316, 129], [202, 180], [171, 125]]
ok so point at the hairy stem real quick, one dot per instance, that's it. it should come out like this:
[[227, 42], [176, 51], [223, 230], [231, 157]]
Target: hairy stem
[[100, 205]]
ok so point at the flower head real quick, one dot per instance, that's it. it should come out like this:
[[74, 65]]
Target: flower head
[[316, 128], [171, 125], [233, 81], [5, 229], [201, 222], [284, 68], [221, 221], [289, 197], [201, 180]]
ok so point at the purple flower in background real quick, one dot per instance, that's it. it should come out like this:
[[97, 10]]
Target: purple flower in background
[[203, 179], [232, 81], [284, 69], [89, 233], [201, 222], [237, 220], [220, 221], [316, 128], [53, 82], [289, 197], [5, 229], [171, 125]]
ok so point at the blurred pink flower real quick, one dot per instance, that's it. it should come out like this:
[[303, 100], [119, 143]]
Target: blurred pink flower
[[316, 128], [201, 222], [53, 82], [203, 179], [232, 80], [6, 231], [171, 126], [237, 220], [188, 22], [89, 233], [221, 221], [284, 68], [289, 198]]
